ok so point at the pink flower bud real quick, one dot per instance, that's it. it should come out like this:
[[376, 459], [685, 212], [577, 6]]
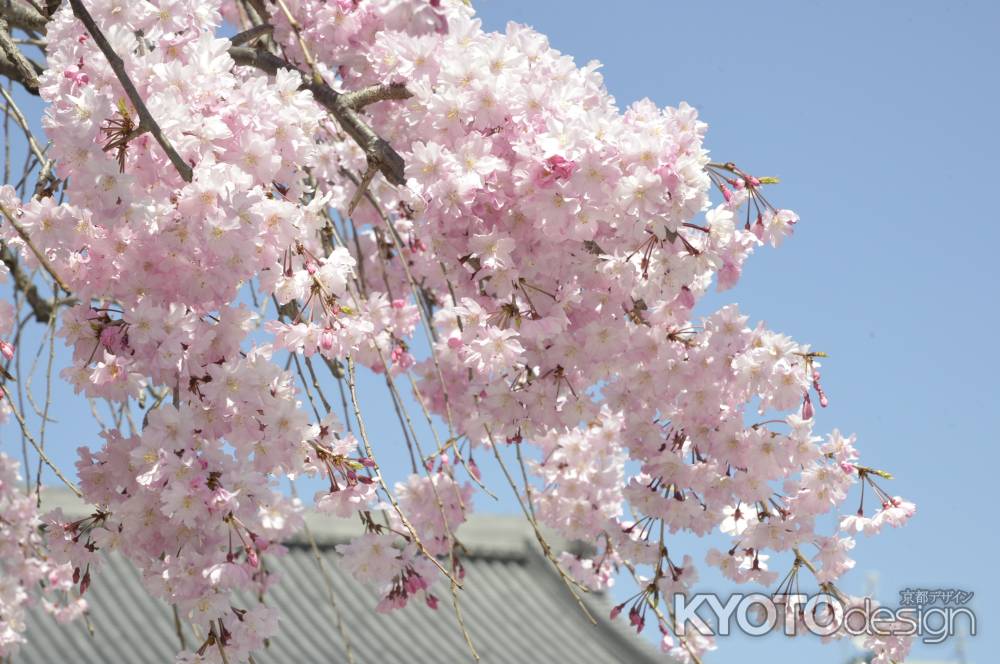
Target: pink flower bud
[[823, 401], [113, 338], [561, 168], [326, 339], [555, 168], [685, 298]]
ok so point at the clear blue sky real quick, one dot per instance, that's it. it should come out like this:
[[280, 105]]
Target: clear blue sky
[[880, 120]]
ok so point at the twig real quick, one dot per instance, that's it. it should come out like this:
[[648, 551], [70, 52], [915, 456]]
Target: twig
[[370, 453], [218, 642], [317, 556], [179, 628], [366, 180], [41, 453], [22, 121], [48, 404], [659, 614], [258, 9], [118, 66], [569, 581], [297, 29], [428, 328]]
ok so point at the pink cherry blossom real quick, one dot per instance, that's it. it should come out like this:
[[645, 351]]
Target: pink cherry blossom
[[382, 188]]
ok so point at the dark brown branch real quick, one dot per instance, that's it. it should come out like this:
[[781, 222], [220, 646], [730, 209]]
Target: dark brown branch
[[379, 153], [118, 66], [253, 33], [11, 71], [25, 73], [358, 99], [22, 15], [22, 282]]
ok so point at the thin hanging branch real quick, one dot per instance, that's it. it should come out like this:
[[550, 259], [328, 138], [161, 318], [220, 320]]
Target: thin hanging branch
[[22, 122], [146, 120], [327, 579], [31, 439]]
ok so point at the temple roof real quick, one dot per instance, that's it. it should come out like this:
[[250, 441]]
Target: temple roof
[[514, 604]]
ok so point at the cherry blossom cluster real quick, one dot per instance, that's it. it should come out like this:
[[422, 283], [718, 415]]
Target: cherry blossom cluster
[[561, 238], [548, 246], [27, 573]]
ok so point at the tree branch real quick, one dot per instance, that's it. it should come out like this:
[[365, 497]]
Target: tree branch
[[118, 66], [25, 73], [11, 71], [23, 16], [22, 282], [358, 99], [379, 153], [253, 33]]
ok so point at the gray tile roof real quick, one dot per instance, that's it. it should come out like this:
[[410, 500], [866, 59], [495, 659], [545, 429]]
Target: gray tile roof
[[515, 606]]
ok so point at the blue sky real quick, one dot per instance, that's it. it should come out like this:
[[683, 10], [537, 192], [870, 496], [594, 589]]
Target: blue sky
[[880, 120]]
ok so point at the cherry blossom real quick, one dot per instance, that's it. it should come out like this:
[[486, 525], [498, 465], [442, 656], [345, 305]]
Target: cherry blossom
[[383, 186], [27, 575]]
